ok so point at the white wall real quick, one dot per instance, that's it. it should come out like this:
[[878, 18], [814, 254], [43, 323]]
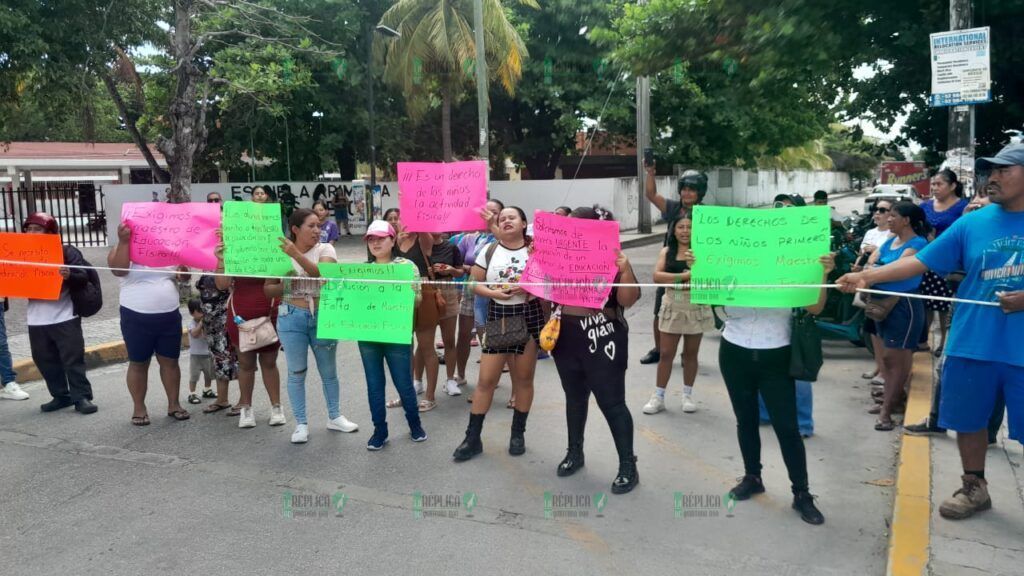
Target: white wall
[[620, 195]]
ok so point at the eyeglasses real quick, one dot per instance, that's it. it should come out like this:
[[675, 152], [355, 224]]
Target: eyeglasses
[[213, 200]]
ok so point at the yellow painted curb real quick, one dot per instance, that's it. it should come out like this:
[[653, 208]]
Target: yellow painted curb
[[95, 356], [910, 534]]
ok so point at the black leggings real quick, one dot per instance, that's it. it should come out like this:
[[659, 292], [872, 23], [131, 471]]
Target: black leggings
[[747, 372], [591, 356]]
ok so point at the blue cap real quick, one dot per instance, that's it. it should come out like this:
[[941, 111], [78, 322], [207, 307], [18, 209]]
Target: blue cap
[[1011, 155]]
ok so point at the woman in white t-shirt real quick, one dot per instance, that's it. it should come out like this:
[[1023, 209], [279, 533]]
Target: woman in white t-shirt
[[151, 326], [296, 322], [497, 271], [873, 239]]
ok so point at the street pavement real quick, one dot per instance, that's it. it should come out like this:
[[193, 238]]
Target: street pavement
[[95, 495]]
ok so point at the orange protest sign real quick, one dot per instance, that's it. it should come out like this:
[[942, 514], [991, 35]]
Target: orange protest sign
[[25, 280]]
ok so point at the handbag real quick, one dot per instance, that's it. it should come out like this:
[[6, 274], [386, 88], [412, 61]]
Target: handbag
[[805, 359], [256, 333], [507, 332], [549, 335], [878, 309]]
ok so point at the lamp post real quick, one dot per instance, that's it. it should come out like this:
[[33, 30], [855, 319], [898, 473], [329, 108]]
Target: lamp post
[[388, 33], [319, 138]]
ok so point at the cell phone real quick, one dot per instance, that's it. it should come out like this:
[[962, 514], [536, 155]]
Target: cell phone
[[648, 156]]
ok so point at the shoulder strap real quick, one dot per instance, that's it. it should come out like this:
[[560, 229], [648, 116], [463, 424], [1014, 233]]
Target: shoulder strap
[[490, 251]]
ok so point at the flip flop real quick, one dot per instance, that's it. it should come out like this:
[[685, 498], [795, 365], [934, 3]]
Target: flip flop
[[511, 404], [234, 411], [140, 420], [427, 405], [876, 410], [211, 408], [179, 415]]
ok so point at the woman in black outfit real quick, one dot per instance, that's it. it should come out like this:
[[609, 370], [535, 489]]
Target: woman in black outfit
[[591, 356]]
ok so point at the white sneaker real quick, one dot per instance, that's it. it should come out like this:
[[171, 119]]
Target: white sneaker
[[13, 392], [688, 405], [452, 388], [654, 405], [301, 434], [418, 386], [247, 419], [342, 424], [277, 416]]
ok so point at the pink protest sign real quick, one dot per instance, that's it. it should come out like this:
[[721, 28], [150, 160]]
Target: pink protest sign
[[440, 197], [572, 251], [172, 234]]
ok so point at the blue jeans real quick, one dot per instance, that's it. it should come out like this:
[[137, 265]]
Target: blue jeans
[[399, 359], [6, 364], [296, 327], [804, 408]]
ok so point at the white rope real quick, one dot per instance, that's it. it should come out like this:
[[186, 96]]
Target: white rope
[[598, 284]]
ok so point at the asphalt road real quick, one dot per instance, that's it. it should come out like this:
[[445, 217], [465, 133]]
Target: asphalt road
[[95, 495]]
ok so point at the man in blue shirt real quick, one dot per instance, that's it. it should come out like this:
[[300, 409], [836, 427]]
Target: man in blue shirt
[[983, 355]]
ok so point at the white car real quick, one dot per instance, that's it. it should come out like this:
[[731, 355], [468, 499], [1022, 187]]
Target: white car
[[891, 192]]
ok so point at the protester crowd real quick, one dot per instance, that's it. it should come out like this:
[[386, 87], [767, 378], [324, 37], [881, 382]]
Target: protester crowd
[[469, 290]]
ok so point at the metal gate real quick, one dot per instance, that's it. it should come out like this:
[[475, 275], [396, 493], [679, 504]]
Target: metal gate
[[78, 209]]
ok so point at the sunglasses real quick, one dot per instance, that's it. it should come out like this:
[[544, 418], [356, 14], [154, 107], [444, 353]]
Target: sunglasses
[[881, 210], [213, 200]]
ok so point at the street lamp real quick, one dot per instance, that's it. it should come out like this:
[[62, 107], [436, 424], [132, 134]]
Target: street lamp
[[319, 140], [387, 33]]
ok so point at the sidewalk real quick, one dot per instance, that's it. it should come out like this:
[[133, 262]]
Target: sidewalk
[[922, 542]]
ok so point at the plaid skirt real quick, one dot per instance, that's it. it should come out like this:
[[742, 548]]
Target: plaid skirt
[[533, 313]]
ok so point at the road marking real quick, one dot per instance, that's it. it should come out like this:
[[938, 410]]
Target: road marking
[[911, 515]]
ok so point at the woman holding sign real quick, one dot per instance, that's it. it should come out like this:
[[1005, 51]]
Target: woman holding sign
[[591, 357], [380, 240], [514, 322], [678, 318], [754, 357], [297, 323]]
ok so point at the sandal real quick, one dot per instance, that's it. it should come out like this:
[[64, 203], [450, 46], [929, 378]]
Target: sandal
[[194, 399], [427, 405], [179, 415], [140, 420], [210, 409], [884, 426], [209, 393], [394, 403], [234, 411], [511, 405], [877, 409]]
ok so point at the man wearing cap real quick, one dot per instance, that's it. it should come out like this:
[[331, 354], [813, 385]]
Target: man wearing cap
[[55, 330], [692, 187], [983, 354]]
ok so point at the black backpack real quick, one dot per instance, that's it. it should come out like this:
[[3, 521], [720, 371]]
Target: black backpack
[[88, 299]]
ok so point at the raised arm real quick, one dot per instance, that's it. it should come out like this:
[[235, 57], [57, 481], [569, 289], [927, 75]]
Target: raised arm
[[651, 190], [120, 255]]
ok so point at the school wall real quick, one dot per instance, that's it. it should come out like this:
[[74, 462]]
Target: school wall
[[726, 186]]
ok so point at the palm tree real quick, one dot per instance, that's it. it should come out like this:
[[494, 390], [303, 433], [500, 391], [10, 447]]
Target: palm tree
[[436, 50]]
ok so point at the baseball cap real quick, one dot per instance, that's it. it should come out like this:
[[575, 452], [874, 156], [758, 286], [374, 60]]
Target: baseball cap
[[1011, 155], [379, 228]]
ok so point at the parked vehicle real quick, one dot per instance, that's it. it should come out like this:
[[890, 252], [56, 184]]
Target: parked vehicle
[[891, 192]]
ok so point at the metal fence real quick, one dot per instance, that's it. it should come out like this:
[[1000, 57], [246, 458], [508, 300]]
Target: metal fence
[[78, 209]]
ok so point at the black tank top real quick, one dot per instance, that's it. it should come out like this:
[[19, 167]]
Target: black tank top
[[414, 255]]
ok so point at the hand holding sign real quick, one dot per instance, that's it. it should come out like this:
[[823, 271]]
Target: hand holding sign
[[172, 234], [25, 280], [252, 235], [442, 197]]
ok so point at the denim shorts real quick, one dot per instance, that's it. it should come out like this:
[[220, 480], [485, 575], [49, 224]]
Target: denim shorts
[[902, 327], [148, 334], [969, 390]]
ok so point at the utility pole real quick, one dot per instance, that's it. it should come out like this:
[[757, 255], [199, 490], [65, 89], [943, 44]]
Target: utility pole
[[643, 140], [961, 118], [481, 79]]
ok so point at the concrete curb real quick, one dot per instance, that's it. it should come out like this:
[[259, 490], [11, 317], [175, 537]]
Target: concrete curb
[[95, 357], [910, 538]]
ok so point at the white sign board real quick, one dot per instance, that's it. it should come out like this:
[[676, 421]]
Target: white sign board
[[961, 73]]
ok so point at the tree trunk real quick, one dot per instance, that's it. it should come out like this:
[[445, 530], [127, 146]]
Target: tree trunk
[[446, 123], [130, 122], [187, 117]]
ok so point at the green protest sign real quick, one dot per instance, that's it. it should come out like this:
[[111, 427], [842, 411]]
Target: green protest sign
[[251, 235], [749, 246], [367, 311]]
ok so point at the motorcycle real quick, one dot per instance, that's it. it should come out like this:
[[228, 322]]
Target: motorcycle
[[841, 320]]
